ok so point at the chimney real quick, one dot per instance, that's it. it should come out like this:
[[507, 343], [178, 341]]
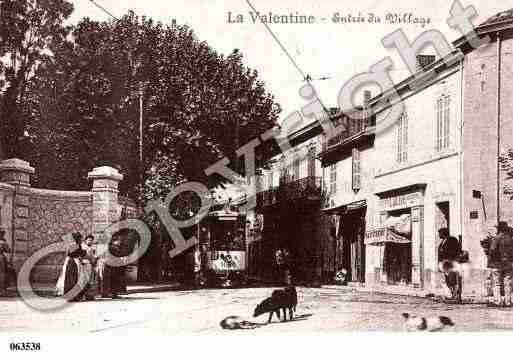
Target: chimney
[[424, 60]]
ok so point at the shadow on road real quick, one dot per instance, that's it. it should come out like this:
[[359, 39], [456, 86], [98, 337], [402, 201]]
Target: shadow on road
[[295, 319], [120, 299]]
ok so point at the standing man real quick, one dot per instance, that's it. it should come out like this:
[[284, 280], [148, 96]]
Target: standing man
[[4, 249], [501, 262], [448, 251]]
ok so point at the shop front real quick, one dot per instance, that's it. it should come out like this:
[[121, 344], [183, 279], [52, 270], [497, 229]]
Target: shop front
[[349, 236], [398, 239]]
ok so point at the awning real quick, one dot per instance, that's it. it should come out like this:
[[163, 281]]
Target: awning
[[380, 236], [346, 207]]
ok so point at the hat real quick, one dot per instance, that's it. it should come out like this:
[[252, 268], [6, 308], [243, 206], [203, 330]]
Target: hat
[[444, 231], [502, 225]]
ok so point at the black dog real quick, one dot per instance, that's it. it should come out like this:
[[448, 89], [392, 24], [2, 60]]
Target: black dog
[[280, 299]]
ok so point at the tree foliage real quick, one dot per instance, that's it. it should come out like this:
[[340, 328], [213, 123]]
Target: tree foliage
[[84, 106], [29, 32]]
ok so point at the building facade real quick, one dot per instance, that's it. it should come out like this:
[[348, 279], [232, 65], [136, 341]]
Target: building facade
[[436, 165], [287, 216]]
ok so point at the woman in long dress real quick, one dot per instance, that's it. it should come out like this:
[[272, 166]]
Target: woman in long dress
[[89, 264], [73, 272]]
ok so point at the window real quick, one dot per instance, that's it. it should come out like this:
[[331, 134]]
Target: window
[[284, 170], [333, 178], [324, 177], [442, 122], [402, 139], [259, 183], [295, 168], [356, 170], [270, 179], [311, 162], [324, 143]]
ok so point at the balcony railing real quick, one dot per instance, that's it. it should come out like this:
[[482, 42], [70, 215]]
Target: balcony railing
[[308, 187]]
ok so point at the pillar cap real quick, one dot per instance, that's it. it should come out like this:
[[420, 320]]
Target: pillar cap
[[105, 172], [15, 164]]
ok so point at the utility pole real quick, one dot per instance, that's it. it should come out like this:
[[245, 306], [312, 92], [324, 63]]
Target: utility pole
[[141, 110], [237, 140]]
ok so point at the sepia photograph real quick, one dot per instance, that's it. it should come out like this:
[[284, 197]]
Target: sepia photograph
[[204, 168]]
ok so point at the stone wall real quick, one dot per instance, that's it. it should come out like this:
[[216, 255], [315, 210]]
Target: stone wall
[[35, 218], [53, 214]]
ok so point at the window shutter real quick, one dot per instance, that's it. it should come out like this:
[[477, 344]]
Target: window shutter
[[333, 178], [446, 125], [356, 170], [405, 137]]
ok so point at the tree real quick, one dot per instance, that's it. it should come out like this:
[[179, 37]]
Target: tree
[[29, 30], [84, 106]]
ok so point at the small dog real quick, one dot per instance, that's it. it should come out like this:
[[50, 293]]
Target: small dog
[[280, 299], [234, 322], [431, 324]]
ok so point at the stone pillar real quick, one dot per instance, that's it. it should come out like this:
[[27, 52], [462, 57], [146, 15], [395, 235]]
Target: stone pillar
[[380, 272], [105, 198], [417, 246], [17, 173]]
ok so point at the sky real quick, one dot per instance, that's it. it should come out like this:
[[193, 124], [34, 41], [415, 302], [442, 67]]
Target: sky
[[324, 49]]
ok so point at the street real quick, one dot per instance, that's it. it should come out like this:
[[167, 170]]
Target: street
[[200, 311]]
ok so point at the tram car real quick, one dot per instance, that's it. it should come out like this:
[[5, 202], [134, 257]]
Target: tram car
[[223, 249]]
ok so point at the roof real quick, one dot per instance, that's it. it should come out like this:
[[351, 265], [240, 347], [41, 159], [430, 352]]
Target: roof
[[498, 18], [502, 21]]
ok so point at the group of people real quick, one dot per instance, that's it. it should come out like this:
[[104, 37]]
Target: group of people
[[499, 250], [86, 269]]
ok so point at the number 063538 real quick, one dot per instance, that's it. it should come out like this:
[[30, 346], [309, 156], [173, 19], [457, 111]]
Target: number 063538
[[24, 346]]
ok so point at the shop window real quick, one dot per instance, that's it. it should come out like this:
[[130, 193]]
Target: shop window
[[443, 122], [402, 139]]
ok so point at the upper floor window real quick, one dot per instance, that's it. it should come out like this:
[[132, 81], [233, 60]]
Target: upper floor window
[[295, 168], [443, 122], [357, 170], [324, 178], [333, 178], [270, 179], [402, 138], [311, 162], [284, 170], [259, 182]]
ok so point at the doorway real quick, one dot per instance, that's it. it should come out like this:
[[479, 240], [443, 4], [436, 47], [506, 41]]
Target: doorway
[[397, 259], [353, 249], [442, 220]]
